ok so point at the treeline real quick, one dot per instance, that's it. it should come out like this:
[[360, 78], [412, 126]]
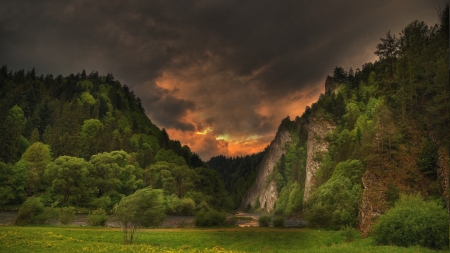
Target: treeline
[[84, 140]]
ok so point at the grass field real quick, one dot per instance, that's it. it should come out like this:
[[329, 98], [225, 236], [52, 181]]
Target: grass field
[[92, 239]]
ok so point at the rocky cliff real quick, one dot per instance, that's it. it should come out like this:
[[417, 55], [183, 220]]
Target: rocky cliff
[[316, 147], [263, 190]]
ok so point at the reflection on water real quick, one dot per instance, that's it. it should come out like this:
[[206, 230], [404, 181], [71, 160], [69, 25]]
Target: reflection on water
[[251, 220]]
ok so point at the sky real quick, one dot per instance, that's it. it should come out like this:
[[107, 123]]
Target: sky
[[219, 76]]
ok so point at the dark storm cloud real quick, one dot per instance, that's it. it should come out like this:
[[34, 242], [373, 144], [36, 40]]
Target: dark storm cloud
[[235, 64], [171, 110]]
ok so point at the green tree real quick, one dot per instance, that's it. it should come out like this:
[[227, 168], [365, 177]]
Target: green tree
[[36, 157], [388, 50], [113, 173], [11, 134], [144, 208], [68, 178], [170, 157], [90, 132], [183, 180], [6, 183]]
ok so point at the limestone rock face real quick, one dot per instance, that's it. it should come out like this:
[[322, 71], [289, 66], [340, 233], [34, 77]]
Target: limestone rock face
[[371, 203], [262, 189], [316, 147]]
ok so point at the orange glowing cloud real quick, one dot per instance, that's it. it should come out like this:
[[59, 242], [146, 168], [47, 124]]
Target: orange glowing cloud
[[232, 115]]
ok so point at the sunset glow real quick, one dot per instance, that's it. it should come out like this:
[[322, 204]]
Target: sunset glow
[[219, 76]]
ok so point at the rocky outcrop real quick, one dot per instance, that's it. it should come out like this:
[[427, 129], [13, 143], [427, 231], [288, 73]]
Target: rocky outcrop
[[316, 147], [330, 86], [371, 203], [263, 190]]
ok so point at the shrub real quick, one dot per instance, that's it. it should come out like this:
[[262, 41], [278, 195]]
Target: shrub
[[172, 204], [413, 222], [264, 221], [67, 215], [279, 222], [350, 233], [29, 211], [103, 202], [203, 206], [6, 195], [97, 217], [50, 215], [210, 219], [187, 206]]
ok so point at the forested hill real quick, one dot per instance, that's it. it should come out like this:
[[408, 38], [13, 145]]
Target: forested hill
[[378, 132], [78, 115], [96, 123]]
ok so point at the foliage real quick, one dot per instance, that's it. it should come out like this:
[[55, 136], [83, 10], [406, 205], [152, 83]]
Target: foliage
[[210, 218], [144, 208], [68, 177], [67, 214], [279, 222], [264, 220], [11, 133], [98, 217], [413, 221], [335, 203], [37, 157], [187, 206], [428, 158], [30, 211], [85, 116], [237, 173], [350, 233], [176, 206]]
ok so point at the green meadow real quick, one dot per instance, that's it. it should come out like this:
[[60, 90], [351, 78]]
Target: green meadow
[[93, 239]]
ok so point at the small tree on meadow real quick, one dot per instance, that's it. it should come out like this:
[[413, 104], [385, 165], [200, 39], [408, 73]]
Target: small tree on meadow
[[144, 208]]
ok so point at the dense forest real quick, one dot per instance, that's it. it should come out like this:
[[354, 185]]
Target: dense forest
[[390, 136], [84, 140], [237, 173]]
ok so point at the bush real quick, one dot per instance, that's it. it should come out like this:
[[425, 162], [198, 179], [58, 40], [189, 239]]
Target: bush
[[187, 206], [210, 219], [350, 233], [264, 221], [30, 211], [97, 217], [279, 222], [102, 202], [50, 215], [203, 206], [67, 215], [172, 204], [413, 222]]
